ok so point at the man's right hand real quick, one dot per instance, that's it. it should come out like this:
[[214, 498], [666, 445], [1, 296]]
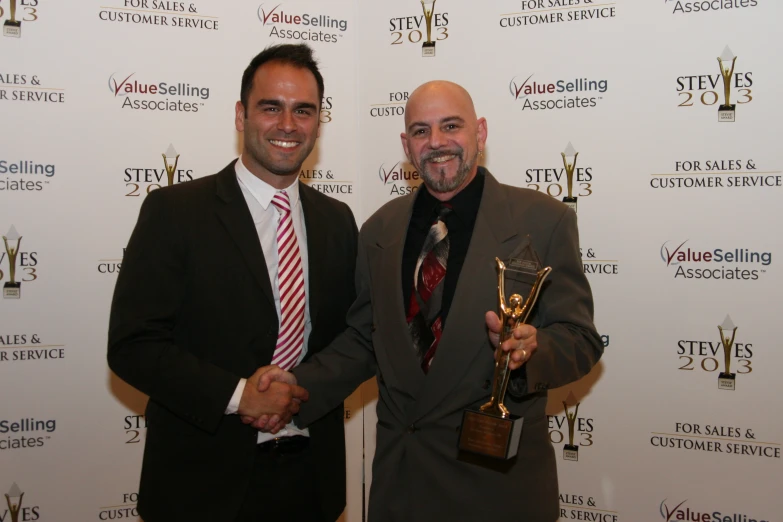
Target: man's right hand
[[279, 399]]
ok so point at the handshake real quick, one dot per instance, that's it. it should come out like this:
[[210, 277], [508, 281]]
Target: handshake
[[270, 398]]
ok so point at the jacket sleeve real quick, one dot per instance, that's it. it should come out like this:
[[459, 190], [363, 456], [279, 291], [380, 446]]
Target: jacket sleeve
[[145, 311], [335, 372], [568, 344]]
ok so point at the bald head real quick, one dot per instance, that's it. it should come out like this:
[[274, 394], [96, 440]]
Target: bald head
[[442, 137], [441, 92]]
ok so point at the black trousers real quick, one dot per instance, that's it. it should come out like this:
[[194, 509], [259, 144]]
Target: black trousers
[[282, 487]]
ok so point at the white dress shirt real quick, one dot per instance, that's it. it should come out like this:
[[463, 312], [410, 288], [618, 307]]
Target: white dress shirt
[[258, 196]]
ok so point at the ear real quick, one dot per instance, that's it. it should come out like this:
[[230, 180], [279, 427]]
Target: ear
[[239, 119], [481, 133], [404, 139]]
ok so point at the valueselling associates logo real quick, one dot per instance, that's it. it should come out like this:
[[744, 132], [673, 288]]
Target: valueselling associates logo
[[573, 93], [25, 433], [289, 23], [138, 93], [705, 6], [401, 178], [734, 262], [681, 511], [25, 175]]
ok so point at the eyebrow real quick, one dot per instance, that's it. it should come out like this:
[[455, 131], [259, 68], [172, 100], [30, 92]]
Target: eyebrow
[[278, 103], [447, 119]]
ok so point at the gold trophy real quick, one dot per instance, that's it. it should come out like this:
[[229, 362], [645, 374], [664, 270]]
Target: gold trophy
[[12, 27], [14, 500], [569, 162], [727, 379], [428, 47], [727, 110], [492, 430], [12, 289], [167, 159], [571, 451]]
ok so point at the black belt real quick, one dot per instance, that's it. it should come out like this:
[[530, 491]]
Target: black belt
[[285, 445]]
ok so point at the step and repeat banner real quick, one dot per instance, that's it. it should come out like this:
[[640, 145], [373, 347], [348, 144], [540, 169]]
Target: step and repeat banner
[[661, 113]]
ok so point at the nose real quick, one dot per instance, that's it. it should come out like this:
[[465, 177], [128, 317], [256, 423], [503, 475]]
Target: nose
[[438, 139], [286, 121]]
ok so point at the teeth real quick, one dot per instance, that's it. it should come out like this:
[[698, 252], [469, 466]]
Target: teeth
[[441, 159], [284, 144]]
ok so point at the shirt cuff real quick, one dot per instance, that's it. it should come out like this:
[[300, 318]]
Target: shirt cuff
[[233, 404]]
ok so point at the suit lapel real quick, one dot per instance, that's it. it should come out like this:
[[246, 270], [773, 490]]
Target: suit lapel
[[316, 225], [465, 335], [232, 211], [400, 365]]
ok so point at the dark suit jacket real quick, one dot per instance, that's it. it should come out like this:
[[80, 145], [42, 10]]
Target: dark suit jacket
[[193, 311], [418, 473]]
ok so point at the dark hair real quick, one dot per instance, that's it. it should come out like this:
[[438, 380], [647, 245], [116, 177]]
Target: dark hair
[[297, 55]]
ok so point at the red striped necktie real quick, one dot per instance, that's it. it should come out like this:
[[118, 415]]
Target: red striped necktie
[[290, 281]]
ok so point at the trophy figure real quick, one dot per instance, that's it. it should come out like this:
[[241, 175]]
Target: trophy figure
[[569, 162], [727, 110], [14, 500], [13, 288], [726, 379], [12, 27], [571, 451], [492, 430], [167, 159], [428, 47]]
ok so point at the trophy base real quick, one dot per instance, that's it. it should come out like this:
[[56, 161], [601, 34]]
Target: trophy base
[[12, 29], [490, 435], [571, 452], [12, 290], [428, 49], [726, 381], [570, 202], [726, 113]]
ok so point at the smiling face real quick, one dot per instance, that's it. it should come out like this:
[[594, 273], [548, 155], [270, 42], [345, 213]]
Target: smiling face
[[280, 122], [442, 137]]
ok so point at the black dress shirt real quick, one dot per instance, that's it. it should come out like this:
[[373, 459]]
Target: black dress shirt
[[460, 222]]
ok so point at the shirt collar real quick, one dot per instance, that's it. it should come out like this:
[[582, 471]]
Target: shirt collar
[[262, 191], [464, 205]]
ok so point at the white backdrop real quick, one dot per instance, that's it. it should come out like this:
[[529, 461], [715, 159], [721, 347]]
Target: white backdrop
[[660, 182]]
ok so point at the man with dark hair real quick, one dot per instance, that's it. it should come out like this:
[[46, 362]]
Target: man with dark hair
[[299, 56], [222, 277]]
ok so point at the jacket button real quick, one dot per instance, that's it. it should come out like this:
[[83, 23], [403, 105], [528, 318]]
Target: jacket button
[[412, 428], [373, 327], [486, 384]]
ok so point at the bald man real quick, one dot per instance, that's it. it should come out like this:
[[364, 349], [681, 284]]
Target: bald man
[[423, 331]]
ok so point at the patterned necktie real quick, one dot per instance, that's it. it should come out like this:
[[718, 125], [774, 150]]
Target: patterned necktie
[[424, 320], [290, 281]]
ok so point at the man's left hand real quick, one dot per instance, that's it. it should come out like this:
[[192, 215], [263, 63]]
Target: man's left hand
[[522, 344]]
